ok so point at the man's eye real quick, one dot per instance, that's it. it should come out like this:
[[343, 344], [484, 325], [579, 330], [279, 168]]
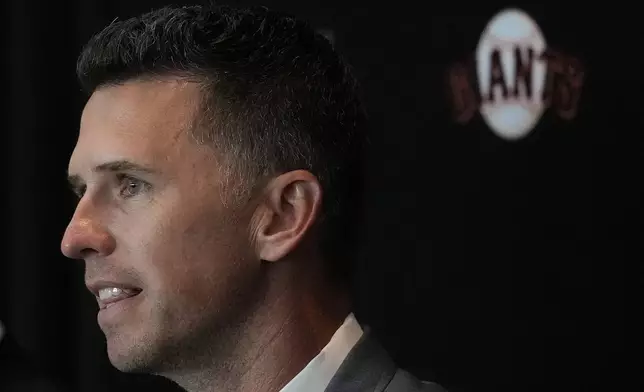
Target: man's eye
[[131, 186]]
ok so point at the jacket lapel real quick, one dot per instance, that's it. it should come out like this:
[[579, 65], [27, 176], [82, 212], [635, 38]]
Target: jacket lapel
[[367, 368]]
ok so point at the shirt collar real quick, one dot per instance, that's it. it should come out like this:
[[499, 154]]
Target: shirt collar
[[315, 377]]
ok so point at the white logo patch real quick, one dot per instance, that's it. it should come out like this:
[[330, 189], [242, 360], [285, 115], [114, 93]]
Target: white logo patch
[[511, 73]]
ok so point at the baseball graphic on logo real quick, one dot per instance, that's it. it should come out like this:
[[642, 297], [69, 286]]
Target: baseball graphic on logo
[[511, 74]]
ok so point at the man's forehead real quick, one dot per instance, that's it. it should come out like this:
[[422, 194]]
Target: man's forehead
[[143, 101], [134, 121]]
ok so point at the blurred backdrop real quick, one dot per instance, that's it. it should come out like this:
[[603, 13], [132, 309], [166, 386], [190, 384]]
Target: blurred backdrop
[[491, 264]]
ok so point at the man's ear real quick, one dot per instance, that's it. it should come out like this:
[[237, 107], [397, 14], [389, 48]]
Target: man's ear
[[289, 208]]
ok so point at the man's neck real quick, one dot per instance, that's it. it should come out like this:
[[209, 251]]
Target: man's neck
[[273, 344]]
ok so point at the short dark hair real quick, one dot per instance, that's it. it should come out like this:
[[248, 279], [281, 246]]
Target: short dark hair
[[277, 97]]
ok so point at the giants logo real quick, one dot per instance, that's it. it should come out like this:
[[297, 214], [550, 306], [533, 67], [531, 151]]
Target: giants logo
[[516, 78]]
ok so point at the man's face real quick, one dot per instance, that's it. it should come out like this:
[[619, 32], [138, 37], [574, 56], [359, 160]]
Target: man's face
[[151, 222]]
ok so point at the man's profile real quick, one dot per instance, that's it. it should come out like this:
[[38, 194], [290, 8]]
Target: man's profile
[[218, 170]]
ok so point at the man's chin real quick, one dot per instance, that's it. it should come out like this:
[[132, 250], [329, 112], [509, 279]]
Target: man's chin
[[127, 363], [130, 357]]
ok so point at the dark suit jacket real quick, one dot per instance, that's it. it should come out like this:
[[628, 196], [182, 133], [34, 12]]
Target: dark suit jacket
[[368, 368]]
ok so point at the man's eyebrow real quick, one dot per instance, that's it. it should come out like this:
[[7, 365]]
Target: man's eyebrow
[[121, 166], [77, 183]]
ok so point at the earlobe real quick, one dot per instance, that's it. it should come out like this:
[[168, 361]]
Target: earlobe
[[287, 214]]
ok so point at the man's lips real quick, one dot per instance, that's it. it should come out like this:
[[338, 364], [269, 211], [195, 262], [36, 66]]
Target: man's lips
[[108, 292], [109, 296]]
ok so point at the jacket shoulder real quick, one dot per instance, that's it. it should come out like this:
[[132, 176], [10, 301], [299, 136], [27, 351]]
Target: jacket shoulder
[[404, 381]]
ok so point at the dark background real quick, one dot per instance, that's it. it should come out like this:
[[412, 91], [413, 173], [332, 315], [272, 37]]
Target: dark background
[[490, 265]]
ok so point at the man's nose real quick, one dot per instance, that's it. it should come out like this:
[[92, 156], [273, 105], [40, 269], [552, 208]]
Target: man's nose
[[86, 235]]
